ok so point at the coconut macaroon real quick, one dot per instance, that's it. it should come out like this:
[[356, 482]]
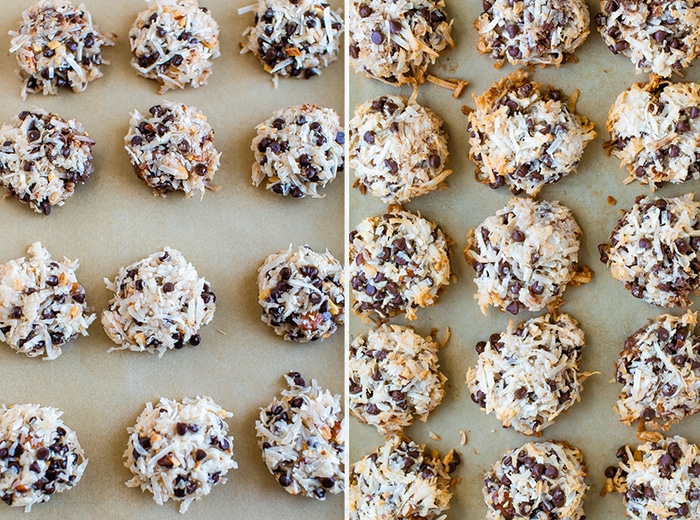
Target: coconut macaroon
[[532, 32], [525, 255], [172, 149], [174, 43], [57, 45], [299, 150], [42, 305], [525, 134], [39, 455], [399, 261], [662, 37], [159, 303], [180, 450], [543, 480], [395, 42], [302, 436], [653, 250], [398, 149], [401, 480], [654, 131], [529, 374]]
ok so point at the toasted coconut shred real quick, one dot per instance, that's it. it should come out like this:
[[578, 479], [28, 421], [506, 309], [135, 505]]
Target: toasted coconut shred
[[159, 304], [180, 450], [42, 305], [39, 455], [394, 377], [525, 134], [299, 150], [529, 374], [398, 149], [302, 436], [653, 250]]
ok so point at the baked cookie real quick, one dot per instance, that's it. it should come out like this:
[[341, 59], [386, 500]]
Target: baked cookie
[[395, 42], [159, 304], [653, 250], [174, 43], [42, 305], [180, 450], [400, 480], [398, 149], [172, 149], [57, 45], [532, 32], [43, 157], [525, 134], [394, 377], [302, 438], [301, 294], [299, 150], [525, 255], [659, 36], [529, 374], [39, 455], [399, 261]]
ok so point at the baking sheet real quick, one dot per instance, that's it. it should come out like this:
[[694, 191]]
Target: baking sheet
[[606, 311], [114, 220]]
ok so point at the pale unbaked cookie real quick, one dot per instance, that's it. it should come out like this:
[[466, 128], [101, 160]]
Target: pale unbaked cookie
[[398, 149], [525, 134]]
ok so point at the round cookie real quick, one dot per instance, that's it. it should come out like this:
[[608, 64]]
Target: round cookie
[[302, 438], [525, 134], [42, 305], [655, 130], [401, 481], [180, 450], [299, 150], [395, 42], [399, 261], [532, 32], [529, 374], [398, 149], [653, 250], [39, 455], [525, 255], [57, 45], [174, 43], [172, 149], [159, 303], [659, 36], [394, 376]]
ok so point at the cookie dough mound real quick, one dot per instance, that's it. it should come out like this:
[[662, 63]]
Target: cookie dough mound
[[398, 149], [296, 38], [57, 45], [39, 455], [399, 261], [172, 149], [659, 36], [525, 255], [653, 250], [299, 150], [174, 43], [395, 42], [180, 450], [654, 131], [400, 480], [159, 304], [524, 134], [302, 437], [42, 305], [529, 374], [532, 32]]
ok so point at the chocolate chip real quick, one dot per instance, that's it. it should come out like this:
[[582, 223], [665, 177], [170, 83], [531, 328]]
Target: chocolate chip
[[377, 37], [369, 137], [513, 307], [480, 347], [394, 26], [33, 135], [202, 169], [391, 165], [518, 236], [610, 471], [434, 161], [181, 428], [168, 287]]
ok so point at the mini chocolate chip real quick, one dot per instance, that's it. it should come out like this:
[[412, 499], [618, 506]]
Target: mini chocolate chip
[[377, 37], [16, 313], [181, 428], [33, 135], [369, 137], [202, 169], [610, 471], [168, 287], [434, 161], [517, 235]]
